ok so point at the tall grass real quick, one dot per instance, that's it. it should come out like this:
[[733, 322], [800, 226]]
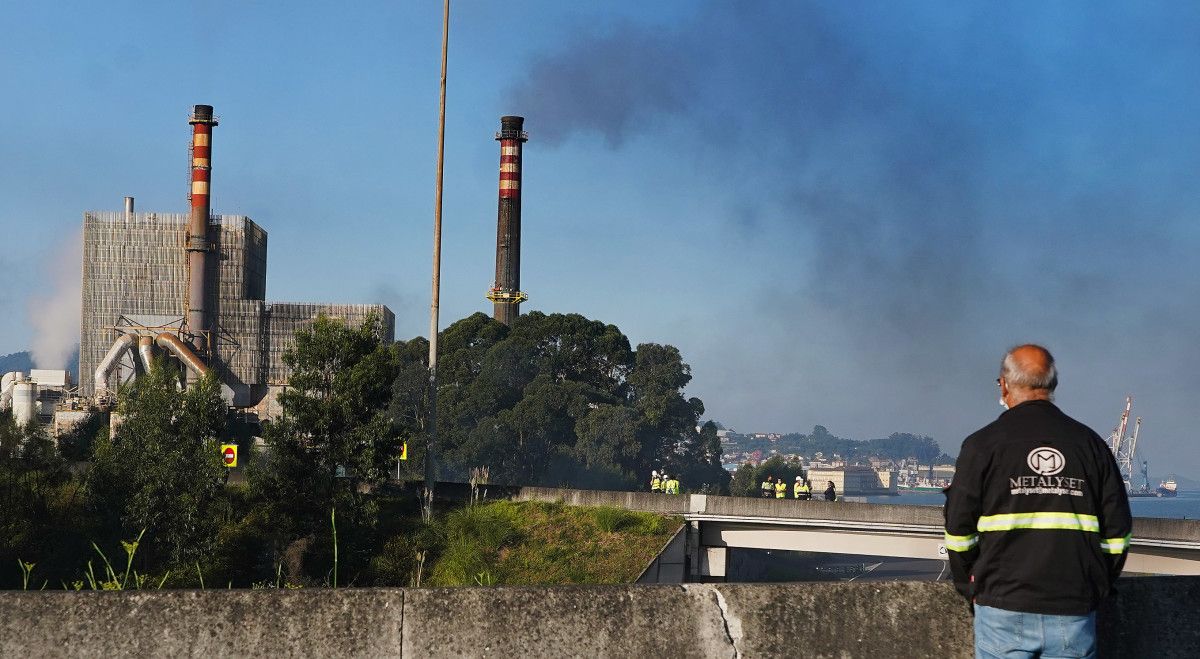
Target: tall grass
[[474, 537], [109, 579], [611, 519]]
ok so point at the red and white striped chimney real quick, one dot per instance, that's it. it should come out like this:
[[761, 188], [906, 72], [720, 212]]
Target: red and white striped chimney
[[198, 321], [506, 294]]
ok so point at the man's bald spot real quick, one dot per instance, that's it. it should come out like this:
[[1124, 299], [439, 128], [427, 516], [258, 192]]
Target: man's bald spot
[[1033, 360], [1029, 366]]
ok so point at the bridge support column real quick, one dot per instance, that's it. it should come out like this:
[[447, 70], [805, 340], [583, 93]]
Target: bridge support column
[[704, 564]]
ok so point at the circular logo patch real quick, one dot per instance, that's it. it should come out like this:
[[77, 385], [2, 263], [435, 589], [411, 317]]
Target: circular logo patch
[[1046, 461]]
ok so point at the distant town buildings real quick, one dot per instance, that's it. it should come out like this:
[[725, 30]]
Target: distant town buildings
[[862, 476]]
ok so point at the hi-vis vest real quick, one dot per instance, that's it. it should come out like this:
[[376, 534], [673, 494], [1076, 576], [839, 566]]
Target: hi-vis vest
[[655, 484], [768, 486], [800, 488], [780, 490]]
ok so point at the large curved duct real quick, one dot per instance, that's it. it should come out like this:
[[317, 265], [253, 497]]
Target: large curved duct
[[146, 351], [6, 387], [123, 343], [175, 346]]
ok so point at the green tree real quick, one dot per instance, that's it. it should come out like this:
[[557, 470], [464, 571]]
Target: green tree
[[747, 482], [161, 471], [701, 464], [335, 441], [42, 521], [743, 483], [556, 399]]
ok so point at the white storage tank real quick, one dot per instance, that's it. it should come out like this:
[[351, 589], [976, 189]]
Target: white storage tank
[[25, 403]]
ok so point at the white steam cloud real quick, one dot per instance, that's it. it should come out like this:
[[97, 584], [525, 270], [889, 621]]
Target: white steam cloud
[[54, 312]]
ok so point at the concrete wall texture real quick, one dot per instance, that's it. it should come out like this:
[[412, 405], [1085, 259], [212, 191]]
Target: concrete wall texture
[[1149, 617]]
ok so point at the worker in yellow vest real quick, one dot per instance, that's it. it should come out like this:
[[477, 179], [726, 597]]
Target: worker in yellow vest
[[655, 482], [801, 490], [670, 485], [768, 487], [780, 489]]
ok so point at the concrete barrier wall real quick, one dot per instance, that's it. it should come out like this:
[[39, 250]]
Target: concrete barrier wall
[[1183, 530], [1150, 617], [647, 501]]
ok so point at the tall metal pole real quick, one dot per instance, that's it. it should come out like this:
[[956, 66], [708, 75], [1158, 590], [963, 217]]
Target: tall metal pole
[[430, 468]]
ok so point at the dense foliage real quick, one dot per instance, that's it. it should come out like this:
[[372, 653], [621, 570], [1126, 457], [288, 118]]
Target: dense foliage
[[748, 479], [555, 400], [161, 470]]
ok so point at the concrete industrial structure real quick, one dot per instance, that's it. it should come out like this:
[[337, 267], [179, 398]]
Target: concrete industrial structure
[[33, 396], [853, 480], [193, 289], [506, 294]]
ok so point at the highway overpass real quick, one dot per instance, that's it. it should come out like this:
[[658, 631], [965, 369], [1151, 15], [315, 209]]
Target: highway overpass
[[716, 524]]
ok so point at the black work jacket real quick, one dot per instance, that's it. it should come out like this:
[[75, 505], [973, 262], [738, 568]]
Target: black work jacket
[[1037, 516]]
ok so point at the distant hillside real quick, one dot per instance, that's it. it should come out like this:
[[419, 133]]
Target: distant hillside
[[17, 361], [23, 361]]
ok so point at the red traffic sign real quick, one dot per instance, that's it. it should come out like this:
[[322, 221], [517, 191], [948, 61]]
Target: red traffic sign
[[229, 454]]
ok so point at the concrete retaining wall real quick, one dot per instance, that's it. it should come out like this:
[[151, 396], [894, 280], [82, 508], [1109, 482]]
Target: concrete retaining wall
[[1143, 527], [1150, 617]]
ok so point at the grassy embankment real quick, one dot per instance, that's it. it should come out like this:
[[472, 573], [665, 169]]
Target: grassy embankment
[[547, 543]]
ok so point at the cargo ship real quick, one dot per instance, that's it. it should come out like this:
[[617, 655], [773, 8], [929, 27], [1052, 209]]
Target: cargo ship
[[1167, 488]]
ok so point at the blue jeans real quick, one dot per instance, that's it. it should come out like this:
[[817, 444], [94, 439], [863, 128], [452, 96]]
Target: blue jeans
[[1012, 634]]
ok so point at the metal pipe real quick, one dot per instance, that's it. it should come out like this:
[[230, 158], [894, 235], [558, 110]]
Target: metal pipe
[[506, 294], [6, 387], [123, 343], [182, 352], [202, 122], [146, 351], [430, 468]]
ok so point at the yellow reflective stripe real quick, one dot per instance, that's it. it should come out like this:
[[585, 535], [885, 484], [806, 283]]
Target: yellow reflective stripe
[[1115, 545], [961, 542], [1010, 521]]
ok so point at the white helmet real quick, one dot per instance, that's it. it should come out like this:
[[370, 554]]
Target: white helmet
[[654, 473], [797, 478]]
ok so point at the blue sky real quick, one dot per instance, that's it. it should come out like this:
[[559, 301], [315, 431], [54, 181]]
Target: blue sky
[[842, 213]]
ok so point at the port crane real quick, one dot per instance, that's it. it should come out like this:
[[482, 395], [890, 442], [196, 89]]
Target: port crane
[[1124, 448]]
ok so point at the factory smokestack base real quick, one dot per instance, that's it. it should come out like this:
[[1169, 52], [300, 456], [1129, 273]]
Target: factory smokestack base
[[198, 317], [505, 293]]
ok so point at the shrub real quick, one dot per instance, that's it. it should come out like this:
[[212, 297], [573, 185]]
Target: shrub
[[611, 519]]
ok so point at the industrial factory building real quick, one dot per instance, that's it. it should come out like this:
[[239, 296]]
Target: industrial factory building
[[191, 286], [135, 285]]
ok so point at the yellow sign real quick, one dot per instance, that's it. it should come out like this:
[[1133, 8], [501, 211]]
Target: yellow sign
[[229, 455], [404, 451]]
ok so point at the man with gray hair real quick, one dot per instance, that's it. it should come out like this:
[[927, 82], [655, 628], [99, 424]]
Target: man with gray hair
[[1037, 520]]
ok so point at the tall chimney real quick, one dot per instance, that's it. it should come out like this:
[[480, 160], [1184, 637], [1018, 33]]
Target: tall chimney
[[202, 122], [506, 294], [128, 209]]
